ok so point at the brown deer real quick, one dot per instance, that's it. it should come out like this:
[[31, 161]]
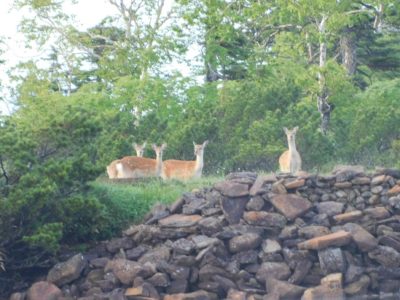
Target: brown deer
[[185, 169], [112, 171], [290, 160], [138, 167]]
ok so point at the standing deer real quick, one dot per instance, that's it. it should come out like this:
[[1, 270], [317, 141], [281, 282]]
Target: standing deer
[[185, 169], [139, 149], [138, 167], [112, 171], [290, 160]]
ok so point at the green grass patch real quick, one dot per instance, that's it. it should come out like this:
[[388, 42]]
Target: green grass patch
[[126, 202]]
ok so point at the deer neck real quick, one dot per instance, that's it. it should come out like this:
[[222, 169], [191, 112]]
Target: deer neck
[[159, 164], [199, 163], [292, 146]]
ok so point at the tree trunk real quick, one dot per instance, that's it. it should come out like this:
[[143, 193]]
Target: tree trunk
[[322, 100], [348, 51]]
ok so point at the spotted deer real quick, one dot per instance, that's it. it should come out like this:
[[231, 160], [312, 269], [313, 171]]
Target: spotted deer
[[290, 160], [112, 171], [138, 167], [185, 169]]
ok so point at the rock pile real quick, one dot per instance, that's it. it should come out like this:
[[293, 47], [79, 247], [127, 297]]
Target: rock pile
[[251, 237]]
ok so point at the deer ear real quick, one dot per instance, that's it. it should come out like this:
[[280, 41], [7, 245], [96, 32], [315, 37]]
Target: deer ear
[[205, 143], [296, 128], [163, 146], [286, 130], [194, 144], [134, 145], [153, 146], [144, 144]]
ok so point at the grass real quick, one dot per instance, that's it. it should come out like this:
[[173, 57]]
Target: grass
[[126, 202]]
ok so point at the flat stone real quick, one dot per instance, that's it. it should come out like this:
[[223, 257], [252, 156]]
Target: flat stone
[[339, 238], [313, 231], [271, 246], [323, 292], [333, 281], [348, 217], [236, 295], [331, 208], [294, 184], [343, 185], [377, 189], [359, 287], [300, 271], [257, 187], [125, 270], [197, 295], [377, 213], [386, 256], [177, 287], [161, 253], [361, 181], [203, 241], [174, 271], [278, 188], [233, 208], [142, 291], [379, 179], [232, 189], [159, 280], [115, 244], [394, 191], [244, 242], [43, 290], [284, 289], [291, 205], [178, 220], [390, 240], [255, 203], [331, 260], [346, 173], [363, 239], [208, 271], [65, 272], [183, 246], [263, 218], [277, 270], [210, 225]]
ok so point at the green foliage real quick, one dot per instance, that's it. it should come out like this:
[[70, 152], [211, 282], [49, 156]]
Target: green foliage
[[47, 236], [130, 202]]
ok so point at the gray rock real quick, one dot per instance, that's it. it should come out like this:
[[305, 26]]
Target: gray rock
[[330, 208], [244, 242], [233, 208], [232, 189], [66, 272], [43, 290], [331, 260]]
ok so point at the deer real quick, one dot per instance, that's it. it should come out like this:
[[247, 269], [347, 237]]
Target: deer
[[185, 169], [139, 149], [290, 160], [139, 167], [112, 171]]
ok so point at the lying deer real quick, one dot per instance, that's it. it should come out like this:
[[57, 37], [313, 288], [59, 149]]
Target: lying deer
[[290, 160], [112, 171], [185, 169], [138, 167]]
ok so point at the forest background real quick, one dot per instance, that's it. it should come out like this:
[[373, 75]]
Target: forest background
[[330, 67]]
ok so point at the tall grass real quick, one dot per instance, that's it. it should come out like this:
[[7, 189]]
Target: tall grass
[[126, 202]]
